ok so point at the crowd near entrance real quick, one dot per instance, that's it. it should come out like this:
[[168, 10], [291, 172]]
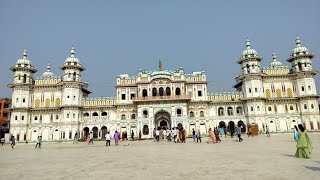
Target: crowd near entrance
[[162, 120]]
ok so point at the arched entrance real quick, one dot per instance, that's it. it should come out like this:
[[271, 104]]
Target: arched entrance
[[95, 132], [104, 131], [222, 124], [230, 126], [243, 129], [162, 120]]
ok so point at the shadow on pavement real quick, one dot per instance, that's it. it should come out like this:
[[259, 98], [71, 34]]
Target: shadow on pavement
[[313, 168]]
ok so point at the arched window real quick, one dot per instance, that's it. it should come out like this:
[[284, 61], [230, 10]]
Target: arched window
[[230, 111], [22, 117], [239, 110], [104, 113], [36, 118], [291, 108], [24, 100], [312, 106], [57, 116], [269, 108], [16, 117], [201, 114], [251, 108], [133, 116], [302, 88], [145, 113], [256, 89], [249, 90], [278, 92], [179, 112], [57, 103], [47, 104], [168, 91], [95, 114], [123, 117], [268, 93], [309, 88], [24, 78], [258, 108], [154, 91], [305, 106], [178, 91], [86, 114], [161, 92], [191, 114], [145, 130], [67, 115], [220, 111], [144, 93]]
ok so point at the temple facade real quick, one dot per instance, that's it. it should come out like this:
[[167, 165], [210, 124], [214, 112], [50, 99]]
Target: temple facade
[[57, 107]]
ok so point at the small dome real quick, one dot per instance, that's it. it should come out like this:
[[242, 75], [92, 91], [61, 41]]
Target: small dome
[[24, 59], [249, 52], [275, 63], [299, 50], [48, 73], [72, 57]]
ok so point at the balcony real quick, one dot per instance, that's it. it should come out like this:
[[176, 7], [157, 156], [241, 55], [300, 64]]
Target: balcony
[[161, 98]]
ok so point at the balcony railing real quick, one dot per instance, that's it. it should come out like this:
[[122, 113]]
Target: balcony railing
[[161, 98]]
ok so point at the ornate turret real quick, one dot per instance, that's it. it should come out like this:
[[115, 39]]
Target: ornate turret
[[72, 67], [250, 60], [23, 70]]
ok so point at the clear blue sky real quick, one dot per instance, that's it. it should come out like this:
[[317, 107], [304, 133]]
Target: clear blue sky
[[116, 37]]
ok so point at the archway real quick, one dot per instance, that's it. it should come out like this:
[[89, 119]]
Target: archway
[[162, 119], [85, 131], [104, 131], [230, 126], [95, 132], [243, 129], [222, 124]]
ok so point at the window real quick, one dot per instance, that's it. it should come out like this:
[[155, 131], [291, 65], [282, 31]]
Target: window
[[309, 88], [312, 106], [104, 114], [258, 108], [74, 98], [178, 91], [86, 114], [123, 96], [239, 110], [199, 93], [256, 89], [154, 91], [16, 117], [123, 117], [191, 114], [133, 116], [95, 114], [220, 111], [144, 93], [291, 108], [68, 115], [22, 118], [249, 90], [251, 108], [269, 108], [305, 106], [161, 91], [24, 78], [168, 91], [36, 118], [132, 96], [68, 96], [17, 100], [74, 115], [145, 113], [24, 100], [201, 114], [57, 116], [302, 88], [145, 130], [230, 111], [179, 112]]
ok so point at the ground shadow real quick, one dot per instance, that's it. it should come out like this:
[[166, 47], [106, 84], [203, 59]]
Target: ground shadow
[[289, 155], [313, 168]]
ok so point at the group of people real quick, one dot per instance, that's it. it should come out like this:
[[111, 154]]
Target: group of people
[[304, 145], [163, 134], [213, 135]]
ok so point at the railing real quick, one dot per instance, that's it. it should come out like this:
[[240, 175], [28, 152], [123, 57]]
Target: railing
[[157, 98]]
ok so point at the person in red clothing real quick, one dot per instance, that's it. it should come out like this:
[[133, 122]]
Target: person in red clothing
[[216, 132]]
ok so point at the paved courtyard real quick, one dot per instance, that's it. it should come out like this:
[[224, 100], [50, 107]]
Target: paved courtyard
[[254, 158]]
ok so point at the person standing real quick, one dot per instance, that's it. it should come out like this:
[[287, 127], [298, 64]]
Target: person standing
[[210, 138], [267, 131], [132, 135], [75, 138], [295, 134], [154, 135], [108, 138], [304, 145], [216, 132], [139, 135], [116, 138], [231, 132], [88, 138], [239, 133], [38, 143], [157, 135], [220, 131], [13, 142], [3, 140], [194, 135], [91, 137], [198, 134], [164, 135], [225, 131]]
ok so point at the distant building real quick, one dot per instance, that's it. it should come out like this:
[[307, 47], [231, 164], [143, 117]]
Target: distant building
[[4, 115], [277, 97]]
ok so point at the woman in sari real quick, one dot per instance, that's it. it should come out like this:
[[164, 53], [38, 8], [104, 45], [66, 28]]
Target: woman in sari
[[304, 146], [216, 132], [210, 138], [88, 138], [295, 134]]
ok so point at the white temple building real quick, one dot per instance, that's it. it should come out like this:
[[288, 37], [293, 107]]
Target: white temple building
[[55, 107]]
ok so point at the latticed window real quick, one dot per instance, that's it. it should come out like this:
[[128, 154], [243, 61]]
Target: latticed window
[[47, 102], [37, 103], [278, 92], [289, 92], [268, 94]]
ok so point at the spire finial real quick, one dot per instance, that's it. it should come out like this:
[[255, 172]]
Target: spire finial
[[72, 51], [160, 64], [248, 43], [48, 67], [274, 56], [25, 54], [298, 41]]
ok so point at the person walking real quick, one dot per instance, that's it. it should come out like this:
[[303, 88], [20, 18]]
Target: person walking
[[38, 143], [13, 142], [88, 138], [225, 132], [132, 135], [198, 134], [154, 135], [194, 135], [139, 135], [91, 137], [220, 131], [239, 133], [3, 140], [216, 132], [116, 138], [108, 138], [304, 145], [231, 132], [267, 131], [75, 138], [164, 135], [157, 135], [295, 133], [210, 138]]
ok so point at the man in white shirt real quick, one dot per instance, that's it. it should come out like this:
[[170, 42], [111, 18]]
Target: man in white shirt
[[164, 135], [157, 135], [108, 138], [174, 135]]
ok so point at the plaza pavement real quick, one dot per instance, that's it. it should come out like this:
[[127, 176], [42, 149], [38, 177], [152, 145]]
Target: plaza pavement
[[254, 158]]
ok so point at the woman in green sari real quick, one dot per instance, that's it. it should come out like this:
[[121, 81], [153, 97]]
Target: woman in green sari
[[304, 146]]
